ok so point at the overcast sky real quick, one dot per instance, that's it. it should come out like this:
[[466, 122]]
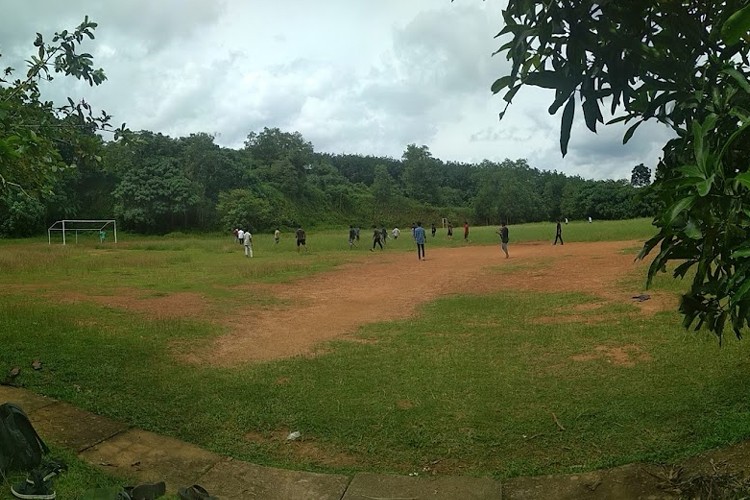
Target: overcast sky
[[353, 76]]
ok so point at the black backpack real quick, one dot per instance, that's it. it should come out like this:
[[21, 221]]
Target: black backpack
[[21, 448]]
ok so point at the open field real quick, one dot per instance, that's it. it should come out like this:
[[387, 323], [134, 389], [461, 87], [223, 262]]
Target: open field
[[466, 363]]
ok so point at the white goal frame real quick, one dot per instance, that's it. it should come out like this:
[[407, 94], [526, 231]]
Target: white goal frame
[[77, 225]]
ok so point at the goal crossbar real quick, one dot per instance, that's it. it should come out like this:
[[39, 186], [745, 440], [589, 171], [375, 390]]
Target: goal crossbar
[[75, 225]]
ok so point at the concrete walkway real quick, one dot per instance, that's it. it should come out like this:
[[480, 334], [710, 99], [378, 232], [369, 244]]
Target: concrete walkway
[[115, 447]]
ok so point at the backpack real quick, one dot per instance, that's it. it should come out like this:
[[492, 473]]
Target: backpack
[[21, 448]]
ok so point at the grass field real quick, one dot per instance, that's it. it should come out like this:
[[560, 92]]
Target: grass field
[[470, 385]]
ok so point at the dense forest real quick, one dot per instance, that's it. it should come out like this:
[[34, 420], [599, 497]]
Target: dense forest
[[55, 164], [152, 183]]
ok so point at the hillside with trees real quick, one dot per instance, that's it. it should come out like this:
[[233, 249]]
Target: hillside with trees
[[153, 183]]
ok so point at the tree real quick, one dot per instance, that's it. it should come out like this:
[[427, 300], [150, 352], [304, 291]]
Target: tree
[[273, 145], [31, 130], [383, 184], [422, 175], [641, 176], [684, 64], [155, 196]]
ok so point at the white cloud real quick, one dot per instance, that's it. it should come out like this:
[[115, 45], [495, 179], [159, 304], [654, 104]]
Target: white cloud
[[355, 77]]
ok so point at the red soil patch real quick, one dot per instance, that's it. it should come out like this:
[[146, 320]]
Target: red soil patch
[[176, 305], [391, 286]]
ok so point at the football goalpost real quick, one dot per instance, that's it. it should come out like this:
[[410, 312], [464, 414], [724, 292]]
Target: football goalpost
[[68, 226]]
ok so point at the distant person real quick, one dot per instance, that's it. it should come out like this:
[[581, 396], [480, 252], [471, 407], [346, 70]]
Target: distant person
[[413, 227], [236, 232], [566, 221], [466, 231], [240, 236], [503, 232], [396, 233], [590, 219], [301, 237], [433, 229], [276, 236], [558, 234], [383, 234], [419, 237], [247, 240], [376, 236], [352, 237], [102, 235], [450, 230], [356, 230]]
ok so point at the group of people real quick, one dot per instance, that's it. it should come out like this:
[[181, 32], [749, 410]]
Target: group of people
[[380, 235], [244, 238]]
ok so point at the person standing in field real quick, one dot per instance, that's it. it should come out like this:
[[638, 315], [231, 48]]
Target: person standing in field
[[247, 240], [433, 229], [376, 235], [450, 230], [396, 233], [276, 236], [503, 232], [240, 236], [352, 237], [558, 234], [466, 231], [301, 237], [419, 238], [383, 234]]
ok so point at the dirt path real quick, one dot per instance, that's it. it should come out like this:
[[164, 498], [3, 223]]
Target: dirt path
[[392, 286]]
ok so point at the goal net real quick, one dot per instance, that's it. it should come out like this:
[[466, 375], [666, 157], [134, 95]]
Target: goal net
[[74, 227]]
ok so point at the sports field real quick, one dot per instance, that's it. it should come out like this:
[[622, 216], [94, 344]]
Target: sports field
[[465, 363]]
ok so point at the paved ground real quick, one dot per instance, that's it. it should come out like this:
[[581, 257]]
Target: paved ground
[[149, 457]]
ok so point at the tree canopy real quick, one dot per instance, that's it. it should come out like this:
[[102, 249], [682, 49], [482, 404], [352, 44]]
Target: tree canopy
[[684, 64]]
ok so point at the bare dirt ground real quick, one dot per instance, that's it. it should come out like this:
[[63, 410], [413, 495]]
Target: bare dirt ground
[[390, 286]]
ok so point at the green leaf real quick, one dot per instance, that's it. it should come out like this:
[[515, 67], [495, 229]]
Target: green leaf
[[591, 113], [692, 171], [744, 179], [704, 187], [567, 124], [508, 97], [692, 230], [740, 293], [736, 26], [501, 83], [741, 253], [739, 77], [676, 209], [544, 79], [629, 133]]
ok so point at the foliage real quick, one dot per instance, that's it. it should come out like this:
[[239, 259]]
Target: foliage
[[683, 64], [156, 195], [641, 176], [422, 174], [20, 214], [32, 131]]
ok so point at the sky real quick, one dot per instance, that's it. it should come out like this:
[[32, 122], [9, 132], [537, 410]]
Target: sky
[[352, 76]]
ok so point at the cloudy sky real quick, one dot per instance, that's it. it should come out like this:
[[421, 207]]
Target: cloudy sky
[[353, 76]]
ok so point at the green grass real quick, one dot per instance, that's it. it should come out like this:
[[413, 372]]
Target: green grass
[[470, 383], [79, 478]]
